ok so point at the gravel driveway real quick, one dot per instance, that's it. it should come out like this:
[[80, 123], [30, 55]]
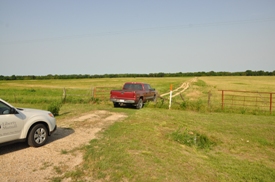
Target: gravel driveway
[[22, 163]]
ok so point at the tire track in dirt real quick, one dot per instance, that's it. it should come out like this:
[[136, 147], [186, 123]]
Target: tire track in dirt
[[181, 89]]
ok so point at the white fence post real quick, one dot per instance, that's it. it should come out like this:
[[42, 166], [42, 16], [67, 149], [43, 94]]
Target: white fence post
[[170, 100]]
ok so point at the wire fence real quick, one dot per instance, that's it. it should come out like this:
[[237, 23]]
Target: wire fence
[[95, 93], [234, 99]]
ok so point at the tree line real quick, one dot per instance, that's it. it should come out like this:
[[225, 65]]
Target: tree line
[[160, 74]]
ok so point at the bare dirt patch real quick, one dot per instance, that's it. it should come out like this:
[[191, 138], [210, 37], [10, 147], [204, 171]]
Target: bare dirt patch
[[22, 163]]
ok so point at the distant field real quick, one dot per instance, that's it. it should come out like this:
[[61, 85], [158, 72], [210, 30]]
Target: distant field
[[190, 142], [81, 90], [250, 84], [45, 91]]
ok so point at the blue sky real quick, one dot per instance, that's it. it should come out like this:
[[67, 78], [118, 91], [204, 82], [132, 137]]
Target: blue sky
[[125, 36]]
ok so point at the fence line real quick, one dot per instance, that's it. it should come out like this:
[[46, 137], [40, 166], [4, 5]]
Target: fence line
[[247, 99], [95, 92], [102, 92]]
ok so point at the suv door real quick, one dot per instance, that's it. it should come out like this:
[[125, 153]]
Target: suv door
[[11, 123]]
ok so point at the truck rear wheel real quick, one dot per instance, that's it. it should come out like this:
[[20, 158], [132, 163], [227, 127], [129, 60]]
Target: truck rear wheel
[[116, 104], [139, 104]]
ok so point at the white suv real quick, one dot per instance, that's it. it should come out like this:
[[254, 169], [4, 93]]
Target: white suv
[[20, 124]]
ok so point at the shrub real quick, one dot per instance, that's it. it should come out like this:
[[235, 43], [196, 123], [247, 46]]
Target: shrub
[[184, 105], [199, 105], [191, 138], [54, 108], [94, 100]]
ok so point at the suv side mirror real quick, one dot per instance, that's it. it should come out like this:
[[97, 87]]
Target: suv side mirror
[[12, 111]]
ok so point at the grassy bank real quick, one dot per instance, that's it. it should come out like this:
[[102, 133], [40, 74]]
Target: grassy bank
[[149, 146]]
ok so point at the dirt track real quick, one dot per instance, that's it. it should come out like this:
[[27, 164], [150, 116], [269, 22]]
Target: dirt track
[[22, 163], [180, 89]]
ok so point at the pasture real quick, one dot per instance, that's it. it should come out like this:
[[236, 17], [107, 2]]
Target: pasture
[[193, 141]]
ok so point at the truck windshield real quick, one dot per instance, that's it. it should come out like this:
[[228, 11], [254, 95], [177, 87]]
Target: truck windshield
[[130, 86]]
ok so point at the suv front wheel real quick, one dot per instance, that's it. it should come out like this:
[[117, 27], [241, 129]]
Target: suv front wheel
[[38, 135]]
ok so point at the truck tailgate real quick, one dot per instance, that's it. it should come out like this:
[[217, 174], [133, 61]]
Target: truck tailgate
[[120, 94]]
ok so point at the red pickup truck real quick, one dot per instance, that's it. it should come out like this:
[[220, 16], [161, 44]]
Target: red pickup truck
[[133, 93]]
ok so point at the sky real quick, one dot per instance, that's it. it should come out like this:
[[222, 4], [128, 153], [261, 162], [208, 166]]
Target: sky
[[92, 37]]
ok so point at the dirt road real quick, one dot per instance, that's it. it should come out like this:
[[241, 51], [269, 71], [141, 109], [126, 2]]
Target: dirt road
[[180, 89], [22, 163]]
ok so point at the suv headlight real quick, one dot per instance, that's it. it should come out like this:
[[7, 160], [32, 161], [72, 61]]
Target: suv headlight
[[51, 115]]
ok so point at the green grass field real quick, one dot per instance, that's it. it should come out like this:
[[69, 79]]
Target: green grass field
[[190, 142]]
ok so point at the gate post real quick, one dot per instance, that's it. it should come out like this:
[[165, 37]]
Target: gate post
[[64, 95], [222, 99], [270, 105], [94, 93], [209, 97]]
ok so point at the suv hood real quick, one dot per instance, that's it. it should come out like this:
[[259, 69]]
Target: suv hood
[[33, 112]]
